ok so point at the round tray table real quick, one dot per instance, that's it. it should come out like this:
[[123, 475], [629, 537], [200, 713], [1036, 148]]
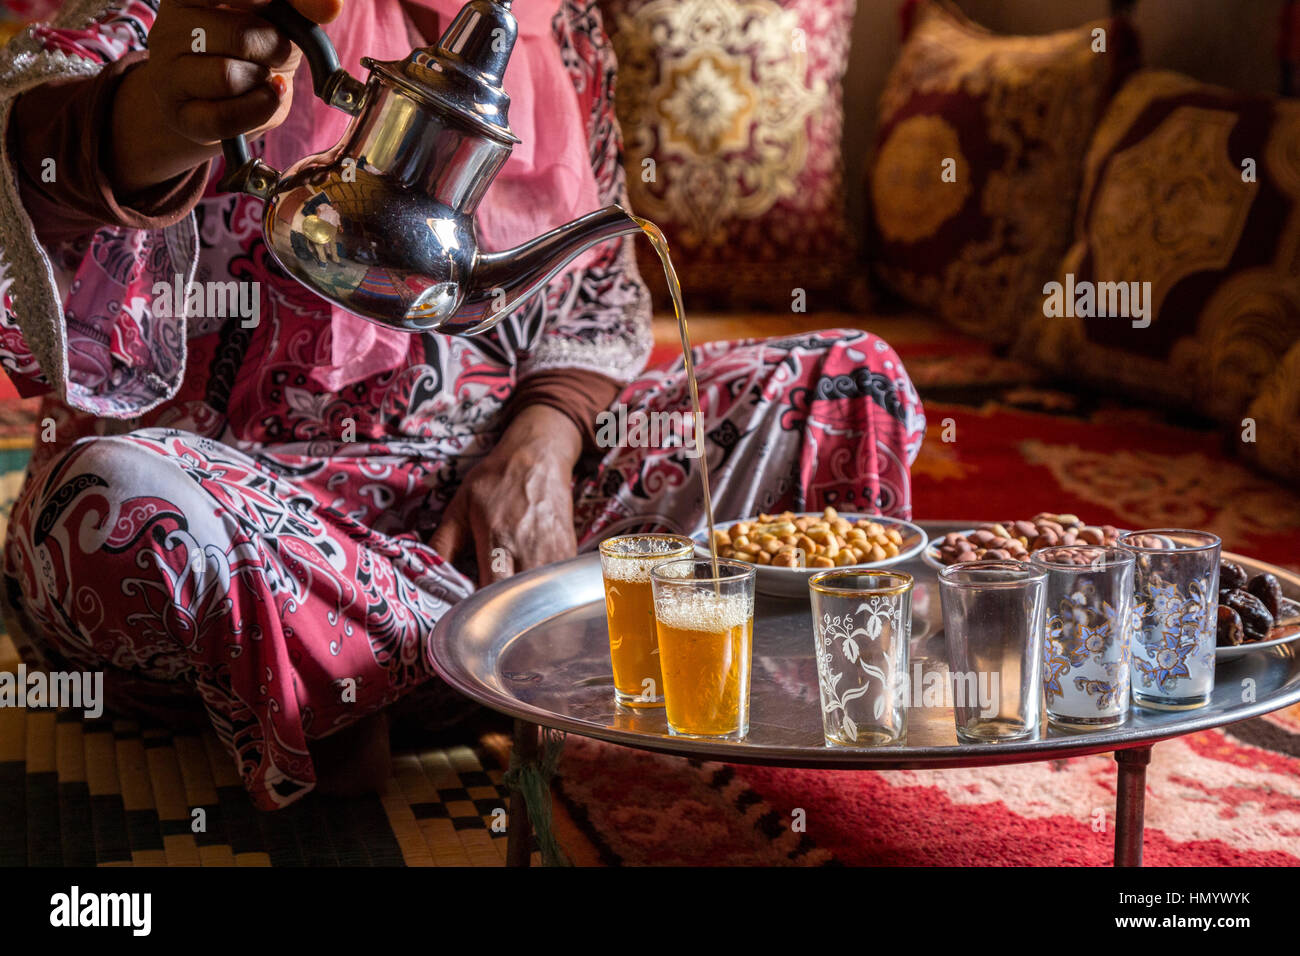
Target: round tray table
[[535, 647]]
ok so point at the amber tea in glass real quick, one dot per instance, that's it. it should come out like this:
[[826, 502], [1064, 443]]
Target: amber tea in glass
[[705, 622], [625, 564]]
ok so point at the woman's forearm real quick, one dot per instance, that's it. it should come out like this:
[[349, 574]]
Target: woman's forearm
[[541, 428]]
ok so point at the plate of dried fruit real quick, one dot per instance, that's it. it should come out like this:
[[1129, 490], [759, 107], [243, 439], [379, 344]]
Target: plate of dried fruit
[[828, 539], [1253, 612]]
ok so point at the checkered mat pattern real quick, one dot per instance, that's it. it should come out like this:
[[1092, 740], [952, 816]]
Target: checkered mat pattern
[[105, 792], [77, 792]]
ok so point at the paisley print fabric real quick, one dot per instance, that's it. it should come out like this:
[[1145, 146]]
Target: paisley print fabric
[[979, 158], [225, 539], [289, 586]]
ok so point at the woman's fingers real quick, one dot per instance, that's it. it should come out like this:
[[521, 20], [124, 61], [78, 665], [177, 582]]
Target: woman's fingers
[[322, 11], [218, 78], [495, 552], [241, 36], [209, 120], [452, 533]]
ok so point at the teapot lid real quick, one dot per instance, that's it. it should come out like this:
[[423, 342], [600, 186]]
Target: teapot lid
[[463, 73]]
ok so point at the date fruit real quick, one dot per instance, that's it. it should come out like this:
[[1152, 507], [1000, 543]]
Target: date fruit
[[1230, 632], [1265, 587], [1231, 576], [1256, 621]]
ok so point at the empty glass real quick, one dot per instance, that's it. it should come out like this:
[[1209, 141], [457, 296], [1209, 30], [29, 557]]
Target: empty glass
[[993, 623], [1176, 592], [705, 623], [861, 625], [1086, 643]]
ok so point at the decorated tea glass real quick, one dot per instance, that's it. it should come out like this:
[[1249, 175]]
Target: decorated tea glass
[[1176, 588], [862, 622], [1086, 639]]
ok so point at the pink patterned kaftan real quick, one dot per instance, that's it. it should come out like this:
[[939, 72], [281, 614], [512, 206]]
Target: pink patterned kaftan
[[213, 525]]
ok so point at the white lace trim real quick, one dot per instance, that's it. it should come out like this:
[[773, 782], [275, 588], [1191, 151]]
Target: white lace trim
[[38, 309]]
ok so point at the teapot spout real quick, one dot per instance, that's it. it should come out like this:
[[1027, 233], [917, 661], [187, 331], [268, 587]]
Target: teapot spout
[[502, 281]]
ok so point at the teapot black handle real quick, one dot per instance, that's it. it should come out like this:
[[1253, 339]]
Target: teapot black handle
[[331, 82]]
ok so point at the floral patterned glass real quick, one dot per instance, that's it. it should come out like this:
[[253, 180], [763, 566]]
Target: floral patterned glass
[[862, 623], [1176, 578], [1086, 643]]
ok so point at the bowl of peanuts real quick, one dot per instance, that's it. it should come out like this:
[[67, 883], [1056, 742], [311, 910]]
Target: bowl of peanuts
[[789, 548]]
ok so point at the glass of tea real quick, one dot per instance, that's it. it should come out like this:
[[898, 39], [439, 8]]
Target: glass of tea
[[862, 621], [704, 615], [1176, 594], [625, 563]]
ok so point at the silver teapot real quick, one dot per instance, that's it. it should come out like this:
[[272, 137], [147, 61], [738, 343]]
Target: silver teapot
[[383, 223]]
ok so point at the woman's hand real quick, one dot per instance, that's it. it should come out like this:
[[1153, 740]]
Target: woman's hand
[[215, 69], [515, 507]]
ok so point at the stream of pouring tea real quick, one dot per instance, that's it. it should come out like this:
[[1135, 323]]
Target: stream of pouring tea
[[660, 244]]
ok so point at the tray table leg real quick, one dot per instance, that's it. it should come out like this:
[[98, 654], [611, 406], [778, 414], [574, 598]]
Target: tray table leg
[[1130, 804], [519, 837]]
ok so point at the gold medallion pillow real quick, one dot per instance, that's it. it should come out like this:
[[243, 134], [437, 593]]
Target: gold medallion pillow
[[1189, 223], [978, 161], [731, 117]]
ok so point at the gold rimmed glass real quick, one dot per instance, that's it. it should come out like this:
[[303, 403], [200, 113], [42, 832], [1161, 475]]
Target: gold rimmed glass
[[862, 622], [625, 563], [704, 613]]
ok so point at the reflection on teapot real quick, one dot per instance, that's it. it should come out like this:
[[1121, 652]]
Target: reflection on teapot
[[383, 223]]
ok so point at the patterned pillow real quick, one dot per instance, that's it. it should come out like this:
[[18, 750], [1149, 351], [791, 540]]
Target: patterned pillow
[[978, 161], [1193, 192], [731, 116]]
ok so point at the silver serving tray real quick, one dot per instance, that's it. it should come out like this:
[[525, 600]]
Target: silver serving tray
[[535, 647]]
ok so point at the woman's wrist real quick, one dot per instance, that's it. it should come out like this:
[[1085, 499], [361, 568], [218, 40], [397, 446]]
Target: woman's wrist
[[543, 430]]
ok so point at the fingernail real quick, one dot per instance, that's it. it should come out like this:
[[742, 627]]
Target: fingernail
[[279, 84]]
